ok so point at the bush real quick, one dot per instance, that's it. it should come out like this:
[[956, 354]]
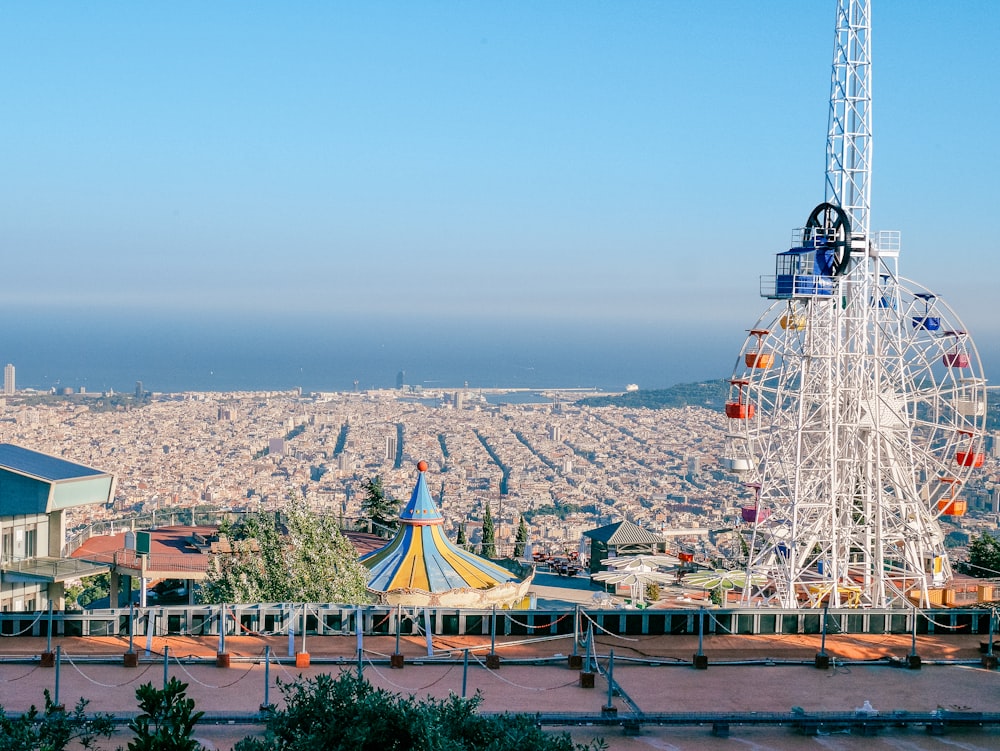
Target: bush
[[53, 729], [167, 720], [346, 713]]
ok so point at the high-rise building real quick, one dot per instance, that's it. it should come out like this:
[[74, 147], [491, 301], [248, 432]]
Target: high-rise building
[[8, 379], [390, 447], [138, 390]]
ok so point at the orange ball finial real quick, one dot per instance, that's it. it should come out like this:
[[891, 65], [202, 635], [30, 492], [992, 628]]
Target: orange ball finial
[[422, 466]]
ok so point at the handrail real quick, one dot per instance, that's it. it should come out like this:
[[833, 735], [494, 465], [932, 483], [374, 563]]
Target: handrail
[[339, 619]]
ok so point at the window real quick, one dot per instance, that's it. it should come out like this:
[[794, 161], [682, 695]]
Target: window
[[30, 543]]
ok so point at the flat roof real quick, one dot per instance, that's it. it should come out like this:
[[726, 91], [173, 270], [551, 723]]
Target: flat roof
[[42, 466]]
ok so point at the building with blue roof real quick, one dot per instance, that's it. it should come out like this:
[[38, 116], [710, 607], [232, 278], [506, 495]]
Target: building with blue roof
[[35, 491]]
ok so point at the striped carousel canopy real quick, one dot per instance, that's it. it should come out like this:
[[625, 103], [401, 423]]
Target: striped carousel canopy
[[422, 557]]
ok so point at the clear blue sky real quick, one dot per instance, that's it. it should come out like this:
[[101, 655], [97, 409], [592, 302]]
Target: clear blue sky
[[631, 161]]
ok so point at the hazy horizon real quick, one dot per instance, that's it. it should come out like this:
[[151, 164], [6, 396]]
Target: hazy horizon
[[195, 353]]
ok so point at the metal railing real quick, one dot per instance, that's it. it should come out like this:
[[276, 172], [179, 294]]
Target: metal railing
[[325, 619]]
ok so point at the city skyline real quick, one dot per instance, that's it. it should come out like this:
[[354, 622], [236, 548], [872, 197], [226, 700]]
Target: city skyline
[[564, 163]]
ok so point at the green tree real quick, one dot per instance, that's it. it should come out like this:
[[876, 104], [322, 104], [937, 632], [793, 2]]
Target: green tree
[[72, 595], [489, 534], [460, 538], [652, 593], [167, 720], [346, 713], [94, 588], [53, 729], [521, 538], [718, 596], [309, 560], [378, 506], [984, 556]]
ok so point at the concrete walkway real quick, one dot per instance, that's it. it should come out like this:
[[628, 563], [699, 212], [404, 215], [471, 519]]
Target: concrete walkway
[[745, 674]]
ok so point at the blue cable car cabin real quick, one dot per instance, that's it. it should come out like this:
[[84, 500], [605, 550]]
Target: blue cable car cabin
[[805, 271], [926, 321]]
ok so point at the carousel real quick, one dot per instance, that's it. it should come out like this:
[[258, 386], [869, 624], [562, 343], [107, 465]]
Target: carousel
[[421, 567]]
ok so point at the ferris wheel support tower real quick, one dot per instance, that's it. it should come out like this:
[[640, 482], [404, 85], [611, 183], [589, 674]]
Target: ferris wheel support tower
[[849, 140], [858, 402]]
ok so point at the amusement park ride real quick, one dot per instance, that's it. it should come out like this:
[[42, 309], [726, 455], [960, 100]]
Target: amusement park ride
[[858, 402]]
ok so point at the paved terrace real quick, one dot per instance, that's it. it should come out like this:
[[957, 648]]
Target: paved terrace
[[654, 676], [749, 678]]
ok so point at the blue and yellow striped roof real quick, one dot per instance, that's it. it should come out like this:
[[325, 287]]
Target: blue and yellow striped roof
[[421, 509], [422, 557]]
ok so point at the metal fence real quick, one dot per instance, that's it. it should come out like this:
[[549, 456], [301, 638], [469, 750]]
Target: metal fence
[[331, 620]]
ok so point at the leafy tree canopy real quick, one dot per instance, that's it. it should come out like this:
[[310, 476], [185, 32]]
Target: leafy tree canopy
[[984, 556], [307, 560]]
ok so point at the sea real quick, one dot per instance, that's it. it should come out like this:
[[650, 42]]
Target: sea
[[101, 351]]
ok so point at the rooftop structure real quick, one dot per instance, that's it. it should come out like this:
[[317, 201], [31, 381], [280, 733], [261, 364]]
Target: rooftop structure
[[35, 490], [622, 538]]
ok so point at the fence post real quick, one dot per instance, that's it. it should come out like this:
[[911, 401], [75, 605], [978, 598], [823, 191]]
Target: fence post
[[610, 708], [913, 660], [266, 706], [48, 636], [465, 671], [587, 674], [989, 660], [822, 658], [150, 628], [58, 669], [427, 632], [575, 661], [700, 658], [130, 659], [396, 659], [302, 657], [493, 659]]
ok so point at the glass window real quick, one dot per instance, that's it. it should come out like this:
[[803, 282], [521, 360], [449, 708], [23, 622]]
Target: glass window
[[30, 543]]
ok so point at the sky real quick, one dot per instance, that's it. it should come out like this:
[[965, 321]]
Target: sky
[[614, 163]]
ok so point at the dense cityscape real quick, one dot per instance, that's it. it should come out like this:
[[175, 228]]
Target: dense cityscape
[[566, 467]]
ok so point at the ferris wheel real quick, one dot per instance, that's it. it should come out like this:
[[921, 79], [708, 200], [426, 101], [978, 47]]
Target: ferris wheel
[[857, 413], [858, 403]]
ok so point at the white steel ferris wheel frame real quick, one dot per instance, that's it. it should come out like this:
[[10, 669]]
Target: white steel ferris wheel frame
[[868, 416], [853, 419]]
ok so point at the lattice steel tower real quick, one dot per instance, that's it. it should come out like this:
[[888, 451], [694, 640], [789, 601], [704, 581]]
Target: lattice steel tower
[[858, 401]]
